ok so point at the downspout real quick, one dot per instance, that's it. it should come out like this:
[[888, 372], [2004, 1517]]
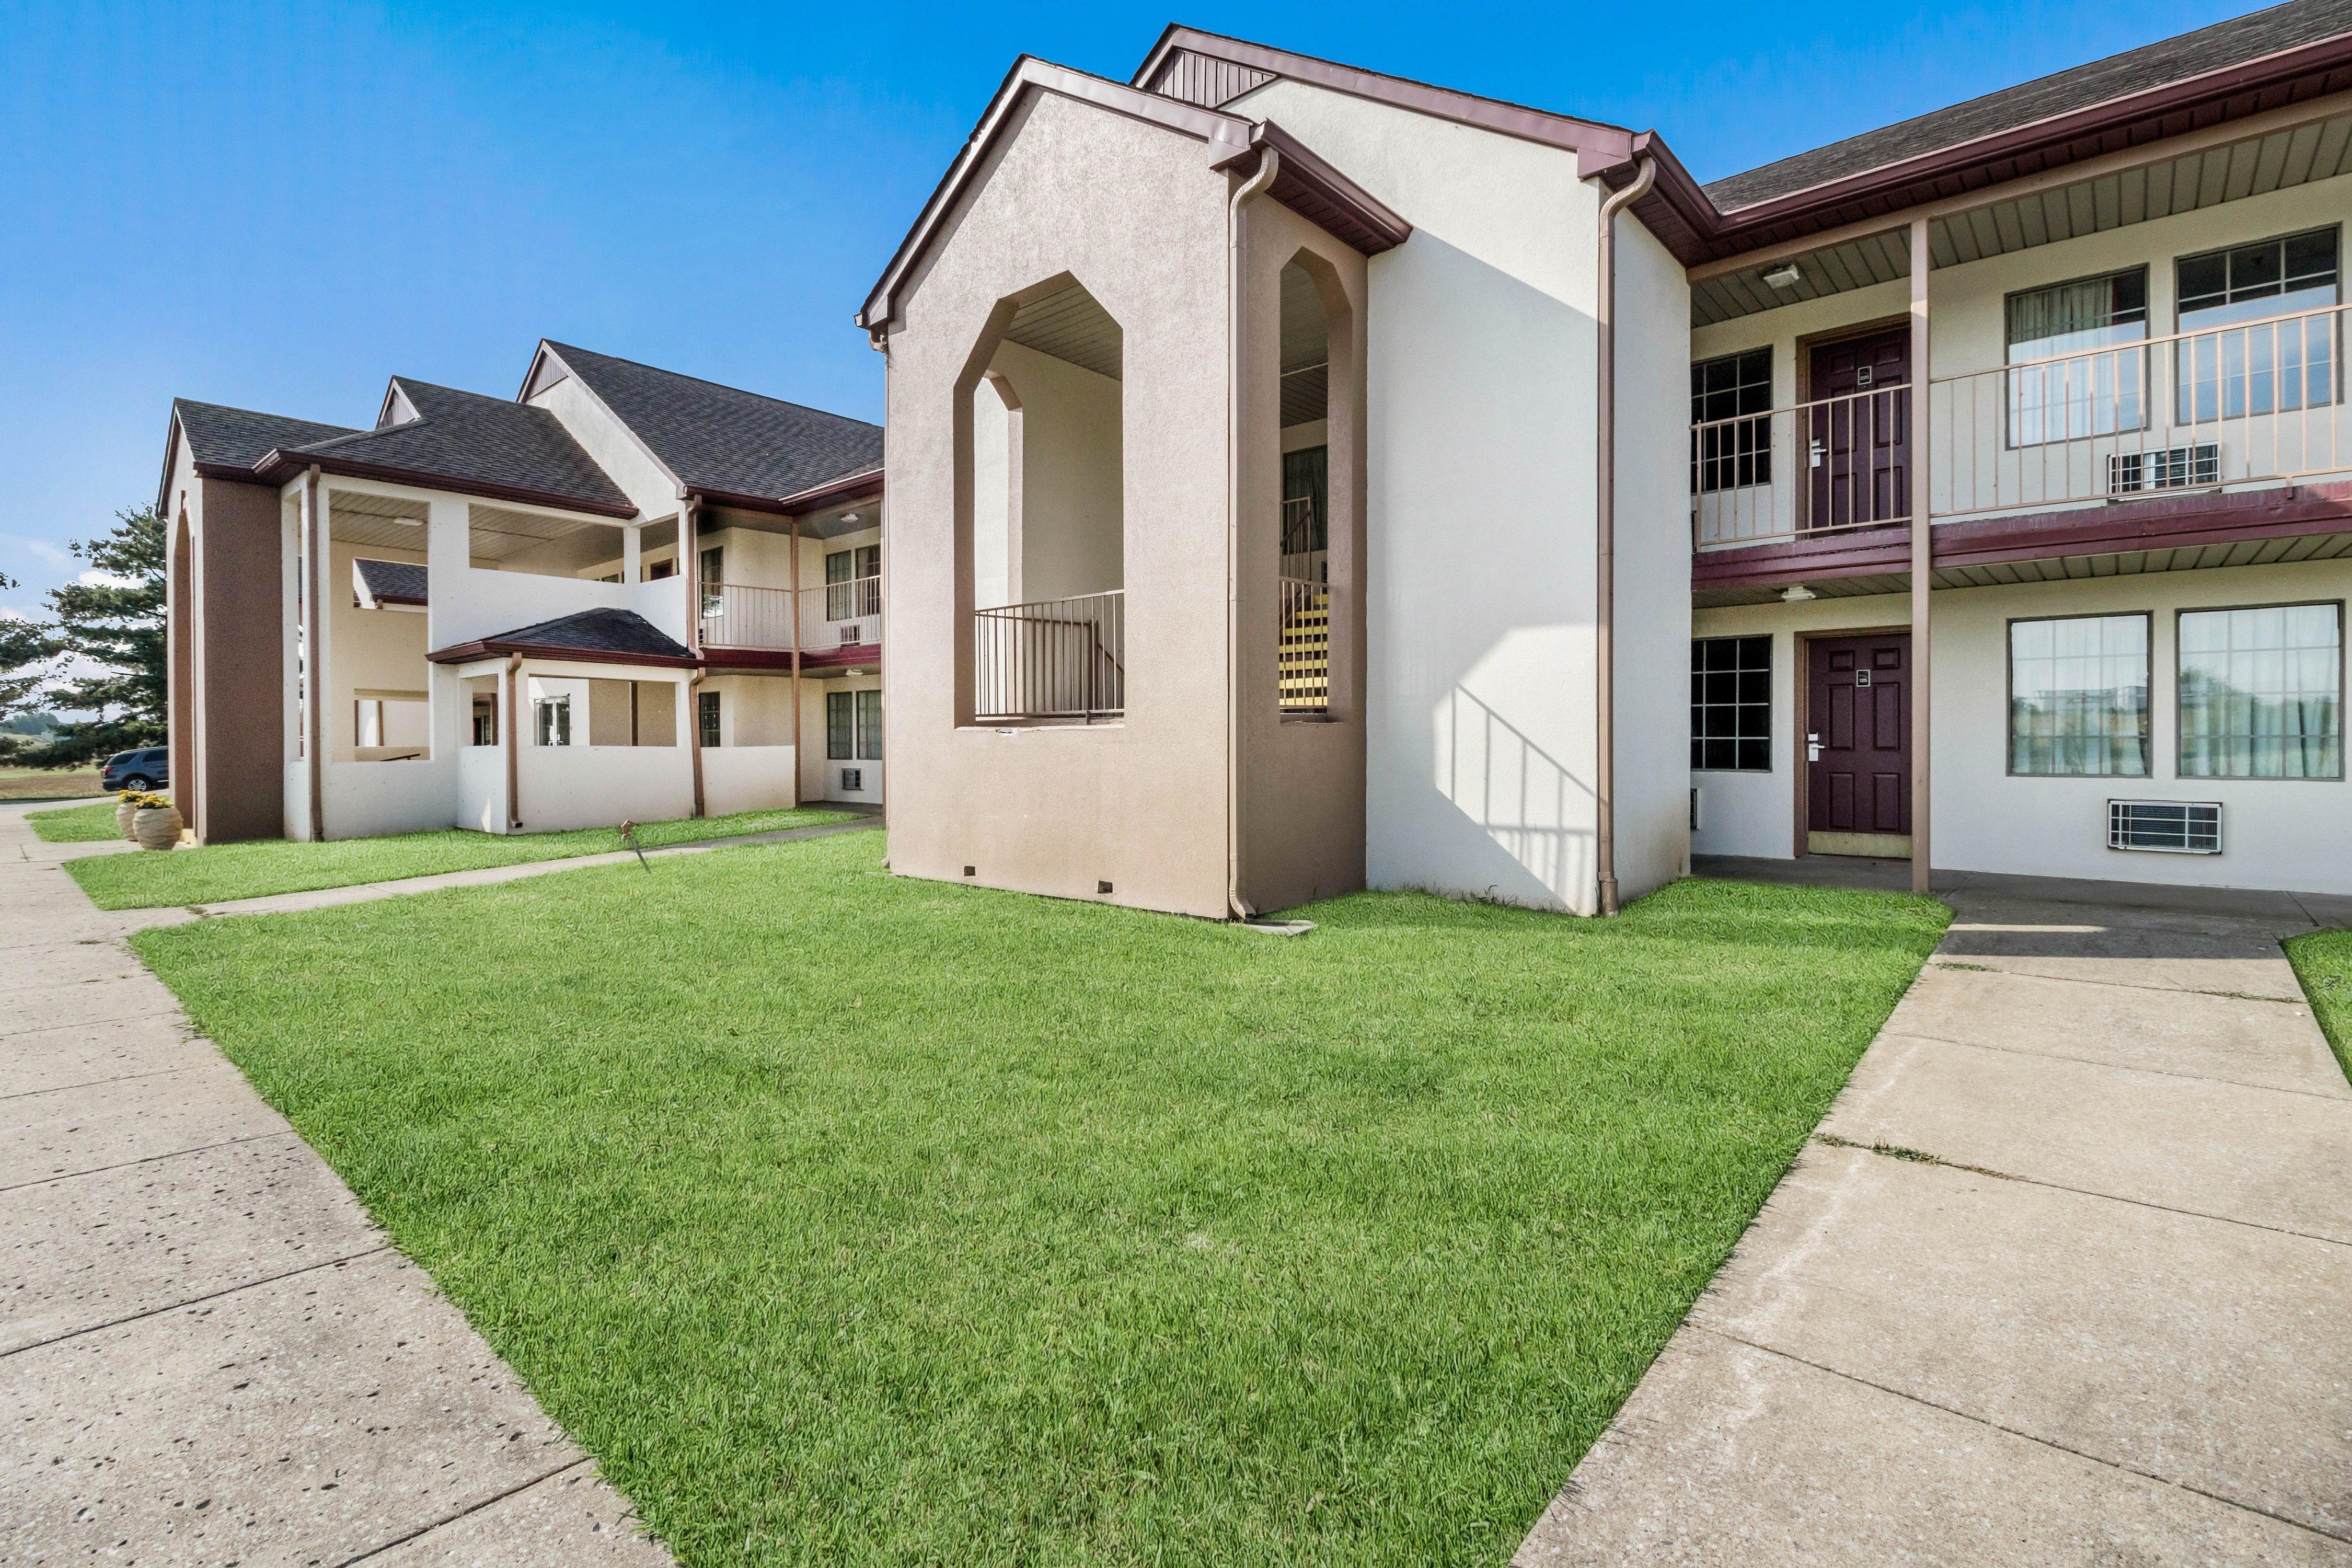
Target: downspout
[[1604, 531], [313, 666], [514, 745], [1269, 165]]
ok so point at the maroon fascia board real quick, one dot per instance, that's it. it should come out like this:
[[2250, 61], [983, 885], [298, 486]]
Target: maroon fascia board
[[1948, 170], [1678, 210], [832, 492], [2171, 522], [720, 657], [495, 648], [278, 464], [1356, 215]]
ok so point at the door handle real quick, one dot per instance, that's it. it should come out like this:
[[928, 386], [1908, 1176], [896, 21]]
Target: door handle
[[1814, 748], [1818, 448]]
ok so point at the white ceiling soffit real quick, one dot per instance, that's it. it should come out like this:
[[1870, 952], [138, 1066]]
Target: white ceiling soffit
[[496, 534], [1305, 349], [390, 522], [1069, 325], [2296, 155]]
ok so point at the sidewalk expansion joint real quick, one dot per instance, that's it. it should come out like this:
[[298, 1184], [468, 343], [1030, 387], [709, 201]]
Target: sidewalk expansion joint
[[198, 1301], [2117, 1067], [2051, 1443], [1921, 1157], [454, 1515], [96, 1082], [145, 1160]]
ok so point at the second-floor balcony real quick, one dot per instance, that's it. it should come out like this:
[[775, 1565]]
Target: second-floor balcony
[[2251, 405], [837, 623]]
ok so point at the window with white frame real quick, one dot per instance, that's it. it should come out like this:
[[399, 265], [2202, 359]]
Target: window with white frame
[[2262, 693], [2078, 697], [2273, 366], [552, 717], [1731, 704], [1728, 449], [2079, 368]]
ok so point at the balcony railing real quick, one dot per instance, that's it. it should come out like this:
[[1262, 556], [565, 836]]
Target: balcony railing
[[2248, 403], [1051, 659], [838, 614], [1303, 655]]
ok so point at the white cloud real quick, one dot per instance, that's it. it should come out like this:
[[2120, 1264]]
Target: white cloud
[[94, 578], [55, 555]]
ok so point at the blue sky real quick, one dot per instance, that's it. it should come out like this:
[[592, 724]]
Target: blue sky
[[279, 206]]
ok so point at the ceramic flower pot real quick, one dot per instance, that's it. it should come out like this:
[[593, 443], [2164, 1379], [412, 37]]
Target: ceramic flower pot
[[123, 811], [156, 827]]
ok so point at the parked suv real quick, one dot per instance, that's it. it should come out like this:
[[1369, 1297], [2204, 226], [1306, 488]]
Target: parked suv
[[150, 769]]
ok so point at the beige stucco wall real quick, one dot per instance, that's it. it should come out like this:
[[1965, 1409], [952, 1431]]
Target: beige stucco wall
[[1135, 214], [1071, 540], [1302, 778], [374, 650]]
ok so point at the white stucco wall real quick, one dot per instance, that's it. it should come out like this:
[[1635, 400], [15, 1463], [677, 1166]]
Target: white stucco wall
[[746, 778], [1480, 570], [1071, 529], [2277, 833], [608, 441]]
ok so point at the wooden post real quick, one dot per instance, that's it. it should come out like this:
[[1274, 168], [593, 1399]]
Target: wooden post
[[795, 569], [1922, 557]]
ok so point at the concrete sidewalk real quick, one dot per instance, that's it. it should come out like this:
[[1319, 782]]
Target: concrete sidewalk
[[2066, 1277], [207, 1354]]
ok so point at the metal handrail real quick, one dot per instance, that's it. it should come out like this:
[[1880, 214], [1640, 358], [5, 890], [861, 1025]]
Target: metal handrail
[[1303, 646], [1051, 659]]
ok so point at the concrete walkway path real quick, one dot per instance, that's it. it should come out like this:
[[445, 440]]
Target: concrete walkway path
[[207, 1354], [2065, 1277]]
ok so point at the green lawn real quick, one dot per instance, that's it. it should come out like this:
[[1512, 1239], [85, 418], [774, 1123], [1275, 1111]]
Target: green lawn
[[853, 1219], [75, 824], [218, 872], [2324, 964]]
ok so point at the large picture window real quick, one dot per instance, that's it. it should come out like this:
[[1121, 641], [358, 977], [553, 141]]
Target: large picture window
[[2090, 379], [870, 726], [1731, 704], [1733, 455], [2078, 697], [2262, 693], [2261, 369]]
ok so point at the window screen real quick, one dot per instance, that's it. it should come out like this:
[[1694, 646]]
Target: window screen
[[1731, 704], [2259, 369], [1731, 456], [706, 716], [2088, 382], [2262, 693], [2078, 697], [839, 731], [869, 725]]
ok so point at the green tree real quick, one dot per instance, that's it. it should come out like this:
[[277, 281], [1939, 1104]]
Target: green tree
[[28, 649], [114, 628]]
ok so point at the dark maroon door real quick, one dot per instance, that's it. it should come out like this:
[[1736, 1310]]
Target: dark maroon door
[[1860, 449], [1858, 734]]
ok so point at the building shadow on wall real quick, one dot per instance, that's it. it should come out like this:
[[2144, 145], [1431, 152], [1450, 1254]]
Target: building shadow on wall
[[1520, 796]]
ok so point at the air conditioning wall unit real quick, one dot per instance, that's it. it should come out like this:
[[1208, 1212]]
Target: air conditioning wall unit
[[853, 778], [2165, 827], [2170, 468]]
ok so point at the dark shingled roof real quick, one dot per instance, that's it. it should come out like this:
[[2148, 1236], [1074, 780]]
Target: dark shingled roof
[[393, 582], [721, 440], [240, 437], [622, 636], [2212, 48], [468, 437]]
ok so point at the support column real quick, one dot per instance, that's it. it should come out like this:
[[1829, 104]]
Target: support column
[[798, 761], [689, 566], [1921, 560], [632, 551], [315, 535]]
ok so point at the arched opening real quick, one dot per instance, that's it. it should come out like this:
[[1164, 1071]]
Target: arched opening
[[1304, 653], [1047, 539]]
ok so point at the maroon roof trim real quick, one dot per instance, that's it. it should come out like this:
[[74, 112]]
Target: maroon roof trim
[[1684, 218], [488, 648], [278, 466], [854, 486], [2234, 92], [1323, 195]]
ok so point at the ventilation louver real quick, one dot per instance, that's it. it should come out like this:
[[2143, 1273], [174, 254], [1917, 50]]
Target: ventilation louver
[[2172, 469], [2167, 827]]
